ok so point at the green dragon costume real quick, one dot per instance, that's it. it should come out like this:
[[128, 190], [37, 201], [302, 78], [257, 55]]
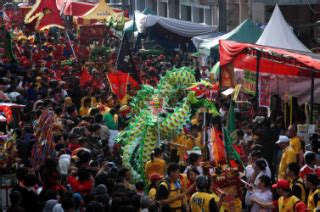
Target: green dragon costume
[[141, 136]]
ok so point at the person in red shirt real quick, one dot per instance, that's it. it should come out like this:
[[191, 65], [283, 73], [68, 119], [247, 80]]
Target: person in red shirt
[[310, 166], [81, 182]]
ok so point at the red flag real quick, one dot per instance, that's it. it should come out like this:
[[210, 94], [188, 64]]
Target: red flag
[[118, 82], [85, 77], [131, 80]]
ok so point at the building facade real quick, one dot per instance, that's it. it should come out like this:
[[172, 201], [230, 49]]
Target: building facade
[[199, 11]]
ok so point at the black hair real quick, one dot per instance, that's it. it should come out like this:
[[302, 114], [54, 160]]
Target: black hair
[[140, 185], [94, 206], [294, 168], [21, 173], [57, 137], [84, 174], [67, 201], [310, 157], [194, 170], [51, 194], [128, 208], [122, 172], [30, 180], [98, 118], [256, 153], [71, 109], [172, 167], [15, 198], [155, 153], [261, 164], [240, 133], [313, 178], [193, 157], [84, 156], [266, 180]]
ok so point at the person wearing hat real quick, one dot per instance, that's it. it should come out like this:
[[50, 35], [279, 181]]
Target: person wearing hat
[[286, 202], [312, 182], [155, 180], [202, 201], [288, 156]]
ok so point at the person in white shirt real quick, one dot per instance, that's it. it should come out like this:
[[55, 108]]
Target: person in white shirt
[[262, 192]]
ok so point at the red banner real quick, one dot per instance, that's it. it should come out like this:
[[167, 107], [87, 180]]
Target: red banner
[[118, 83], [265, 91]]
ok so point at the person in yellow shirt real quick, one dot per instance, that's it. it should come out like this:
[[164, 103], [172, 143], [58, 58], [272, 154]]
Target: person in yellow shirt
[[314, 192], [125, 100], [85, 106], [155, 180], [296, 184], [156, 165], [288, 156], [169, 194], [202, 201], [189, 140], [295, 142]]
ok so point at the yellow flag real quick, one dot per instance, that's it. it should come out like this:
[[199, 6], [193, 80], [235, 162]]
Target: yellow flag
[[236, 92]]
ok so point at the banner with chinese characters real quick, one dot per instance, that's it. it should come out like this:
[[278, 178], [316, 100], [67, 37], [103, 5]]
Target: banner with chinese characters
[[264, 91], [249, 82]]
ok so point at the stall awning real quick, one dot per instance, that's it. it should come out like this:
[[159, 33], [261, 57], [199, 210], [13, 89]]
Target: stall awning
[[273, 60]]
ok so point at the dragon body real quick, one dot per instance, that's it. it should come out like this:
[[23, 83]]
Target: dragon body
[[141, 136]]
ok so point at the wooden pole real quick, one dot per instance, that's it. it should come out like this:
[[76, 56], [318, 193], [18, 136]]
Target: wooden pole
[[257, 79], [312, 97]]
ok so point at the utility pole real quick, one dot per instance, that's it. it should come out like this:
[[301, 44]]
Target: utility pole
[[222, 15]]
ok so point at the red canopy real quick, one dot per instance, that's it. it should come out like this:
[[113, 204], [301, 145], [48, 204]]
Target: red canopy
[[77, 8], [37, 19], [273, 60]]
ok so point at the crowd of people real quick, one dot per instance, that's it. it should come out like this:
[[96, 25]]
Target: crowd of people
[[84, 171]]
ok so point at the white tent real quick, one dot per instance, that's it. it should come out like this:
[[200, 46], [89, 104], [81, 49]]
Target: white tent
[[279, 34], [204, 38], [183, 28]]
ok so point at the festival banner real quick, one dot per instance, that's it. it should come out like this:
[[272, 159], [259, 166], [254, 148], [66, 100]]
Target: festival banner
[[249, 82], [118, 83], [264, 91], [227, 76]]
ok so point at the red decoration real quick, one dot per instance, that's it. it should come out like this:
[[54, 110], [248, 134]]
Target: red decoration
[[118, 82], [44, 14]]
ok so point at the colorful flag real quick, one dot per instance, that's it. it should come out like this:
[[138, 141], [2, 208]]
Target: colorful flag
[[85, 77], [218, 148], [125, 61], [118, 83], [229, 133]]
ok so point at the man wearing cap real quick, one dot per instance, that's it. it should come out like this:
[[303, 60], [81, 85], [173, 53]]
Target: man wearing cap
[[286, 202], [288, 156], [202, 201]]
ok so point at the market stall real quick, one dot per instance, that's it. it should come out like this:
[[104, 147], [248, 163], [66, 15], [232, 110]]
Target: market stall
[[99, 13], [275, 61]]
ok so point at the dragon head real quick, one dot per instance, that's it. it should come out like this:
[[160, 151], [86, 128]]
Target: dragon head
[[204, 89]]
